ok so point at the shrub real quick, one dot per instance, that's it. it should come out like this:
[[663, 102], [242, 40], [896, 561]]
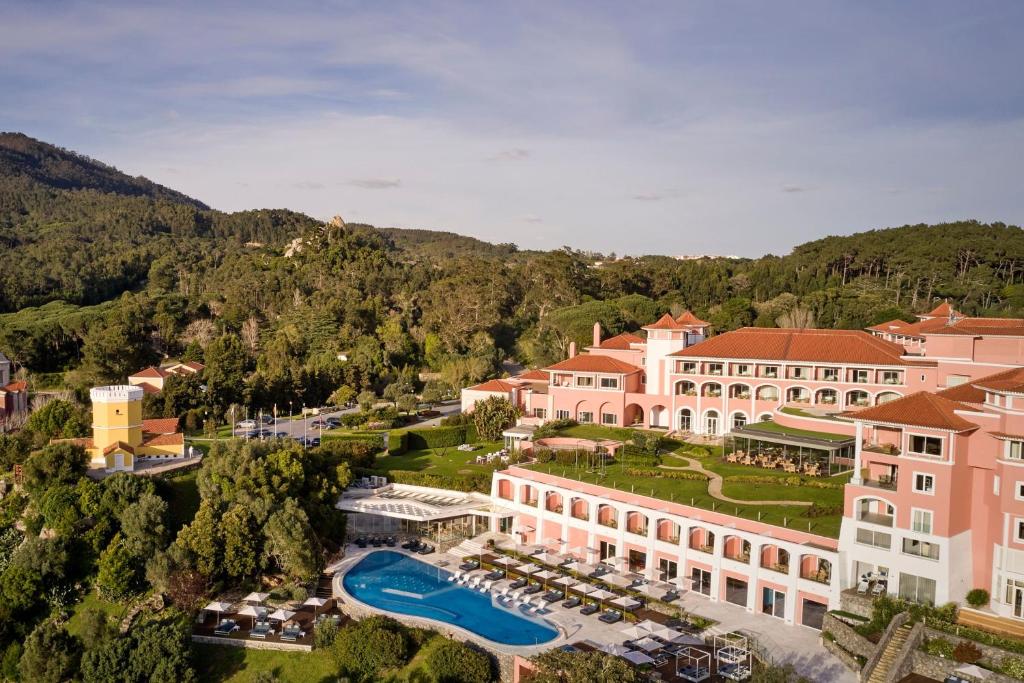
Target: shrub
[[940, 647], [324, 634], [437, 437], [977, 597], [480, 483], [450, 661], [354, 419], [1012, 666], [398, 443], [370, 646], [967, 652], [665, 474], [543, 455], [816, 510]]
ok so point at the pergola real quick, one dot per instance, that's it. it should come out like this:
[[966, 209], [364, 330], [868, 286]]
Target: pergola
[[833, 454]]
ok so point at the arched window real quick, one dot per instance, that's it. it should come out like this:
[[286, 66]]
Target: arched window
[[685, 422], [711, 422], [739, 420]]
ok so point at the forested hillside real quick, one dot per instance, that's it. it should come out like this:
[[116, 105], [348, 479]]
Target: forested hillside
[[101, 274]]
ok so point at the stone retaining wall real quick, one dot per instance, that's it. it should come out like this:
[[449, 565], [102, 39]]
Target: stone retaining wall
[[251, 644], [848, 638], [989, 652], [848, 660], [938, 668]]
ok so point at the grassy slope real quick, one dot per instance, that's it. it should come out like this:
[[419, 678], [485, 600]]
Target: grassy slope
[[446, 461], [237, 665], [183, 501]]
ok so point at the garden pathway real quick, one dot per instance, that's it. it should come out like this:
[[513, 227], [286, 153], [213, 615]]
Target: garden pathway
[[715, 484]]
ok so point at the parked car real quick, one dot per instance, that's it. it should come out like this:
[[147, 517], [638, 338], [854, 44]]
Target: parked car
[[267, 419], [245, 424]]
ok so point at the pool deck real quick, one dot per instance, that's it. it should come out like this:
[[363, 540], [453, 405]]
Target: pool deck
[[796, 645]]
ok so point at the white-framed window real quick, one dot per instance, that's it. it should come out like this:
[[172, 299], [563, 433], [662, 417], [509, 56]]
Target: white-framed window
[[924, 483], [561, 414], [1019, 526], [925, 445], [830, 374], [956, 380], [583, 381], [879, 539], [586, 417], [1015, 450], [891, 377], [743, 370], [860, 376], [798, 373], [912, 546], [541, 413], [609, 382], [1018, 490], [714, 368], [770, 371], [739, 420], [921, 521], [687, 367], [609, 419]]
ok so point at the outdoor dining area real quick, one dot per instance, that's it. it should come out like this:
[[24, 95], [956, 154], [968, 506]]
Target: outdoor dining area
[[796, 452], [252, 618]]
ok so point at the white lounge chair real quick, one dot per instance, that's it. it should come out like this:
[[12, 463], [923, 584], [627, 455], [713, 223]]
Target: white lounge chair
[[862, 587], [878, 588], [456, 576]]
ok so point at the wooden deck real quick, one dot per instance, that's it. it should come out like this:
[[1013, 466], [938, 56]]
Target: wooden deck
[[1004, 626]]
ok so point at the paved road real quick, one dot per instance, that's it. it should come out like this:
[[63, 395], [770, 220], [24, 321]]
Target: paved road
[[305, 426]]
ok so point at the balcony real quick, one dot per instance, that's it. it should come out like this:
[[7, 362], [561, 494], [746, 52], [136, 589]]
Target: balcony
[[709, 549], [639, 531], [780, 568], [555, 508], [674, 540], [822, 575], [743, 557], [881, 448], [610, 523], [876, 518], [884, 482]]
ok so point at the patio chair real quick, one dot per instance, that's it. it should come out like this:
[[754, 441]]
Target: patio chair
[[863, 586], [571, 603], [878, 588], [590, 609], [611, 616]]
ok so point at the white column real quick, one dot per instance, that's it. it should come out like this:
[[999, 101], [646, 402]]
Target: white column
[[859, 439]]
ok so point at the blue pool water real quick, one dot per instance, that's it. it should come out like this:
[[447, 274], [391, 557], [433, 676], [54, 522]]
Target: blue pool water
[[398, 583]]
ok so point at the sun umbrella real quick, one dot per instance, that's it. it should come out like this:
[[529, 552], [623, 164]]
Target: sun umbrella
[[282, 615], [544, 575], [615, 649], [548, 558], [504, 561], [218, 607], [566, 581], [973, 670], [616, 580], [316, 603], [648, 644], [638, 658], [666, 633], [635, 631], [649, 626], [584, 588], [601, 595], [626, 603], [256, 597], [250, 611], [527, 568]]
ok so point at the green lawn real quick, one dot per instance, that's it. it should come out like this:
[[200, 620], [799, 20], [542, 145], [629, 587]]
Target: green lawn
[[218, 664], [444, 461], [790, 410], [91, 600], [775, 428]]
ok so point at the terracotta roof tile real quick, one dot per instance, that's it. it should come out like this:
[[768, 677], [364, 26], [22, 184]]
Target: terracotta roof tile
[[493, 385], [943, 310], [621, 342], [665, 322], [120, 445], [16, 386], [151, 372], [147, 388], [161, 425], [595, 363], [974, 392], [891, 326], [534, 375], [923, 409], [688, 319], [165, 440], [801, 345]]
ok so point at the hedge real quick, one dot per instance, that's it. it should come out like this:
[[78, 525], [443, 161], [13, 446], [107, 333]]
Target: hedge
[[398, 443], [785, 481], [438, 437], [480, 483], [665, 474]]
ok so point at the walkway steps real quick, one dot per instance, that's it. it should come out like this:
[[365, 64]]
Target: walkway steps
[[325, 587], [880, 674], [991, 623]]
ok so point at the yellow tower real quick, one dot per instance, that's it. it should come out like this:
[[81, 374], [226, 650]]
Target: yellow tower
[[117, 419]]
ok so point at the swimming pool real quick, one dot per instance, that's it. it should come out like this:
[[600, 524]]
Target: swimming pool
[[398, 583]]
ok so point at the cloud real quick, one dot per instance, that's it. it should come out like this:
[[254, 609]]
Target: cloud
[[515, 154], [308, 185], [376, 183]]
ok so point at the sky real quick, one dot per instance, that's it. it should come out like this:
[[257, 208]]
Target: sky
[[676, 127]]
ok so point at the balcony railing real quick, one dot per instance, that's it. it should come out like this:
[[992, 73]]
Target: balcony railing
[[585, 516], [531, 503], [882, 482], [883, 448], [739, 557], [674, 540], [709, 549], [639, 531], [781, 568], [608, 523], [555, 508], [876, 518]]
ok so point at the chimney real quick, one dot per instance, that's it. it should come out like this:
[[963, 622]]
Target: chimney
[[572, 349], [597, 334]]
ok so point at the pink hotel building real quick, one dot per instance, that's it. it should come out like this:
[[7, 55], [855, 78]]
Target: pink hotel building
[[933, 412]]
